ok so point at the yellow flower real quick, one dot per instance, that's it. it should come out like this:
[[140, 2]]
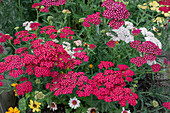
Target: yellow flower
[[159, 34], [166, 14], [134, 85], [155, 103], [16, 28], [154, 3], [14, 84], [144, 6], [11, 110], [103, 31], [159, 19], [66, 11], [35, 106], [81, 20], [90, 66], [15, 92], [37, 81], [39, 95]]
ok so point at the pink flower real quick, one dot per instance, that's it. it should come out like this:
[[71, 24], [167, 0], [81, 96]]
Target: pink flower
[[23, 79], [78, 43], [35, 25], [24, 88], [136, 32], [1, 83], [111, 44], [166, 104], [106, 64], [1, 49], [134, 44], [1, 77], [156, 68], [36, 5], [116, 24], [92, 46], [94, 19]]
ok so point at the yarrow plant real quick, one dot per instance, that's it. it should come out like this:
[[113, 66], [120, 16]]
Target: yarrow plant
[[85, 56]]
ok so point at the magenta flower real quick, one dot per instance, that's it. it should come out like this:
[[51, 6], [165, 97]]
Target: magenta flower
[[156, 67]]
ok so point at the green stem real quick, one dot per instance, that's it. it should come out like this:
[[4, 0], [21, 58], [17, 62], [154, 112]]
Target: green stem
[[19, 3], [65, 20], [37, 15], [11, 44]]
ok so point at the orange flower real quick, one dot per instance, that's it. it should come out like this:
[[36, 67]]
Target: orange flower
[[11, 110], [90, 66]]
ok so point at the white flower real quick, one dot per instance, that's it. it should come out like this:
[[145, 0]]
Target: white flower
[[55, 40], [124, 111], [27, 25], [155, 29], [154, 40], [129, 25], [151, 62], [53, 106], [143, 31], [78, 43], [92, 110], [149, 34], [74, 103], [122, 34]]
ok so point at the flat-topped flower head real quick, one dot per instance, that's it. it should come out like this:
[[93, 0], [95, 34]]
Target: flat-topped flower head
[[74, 103]]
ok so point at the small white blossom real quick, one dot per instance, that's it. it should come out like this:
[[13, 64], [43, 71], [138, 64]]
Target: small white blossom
[[74, 103]]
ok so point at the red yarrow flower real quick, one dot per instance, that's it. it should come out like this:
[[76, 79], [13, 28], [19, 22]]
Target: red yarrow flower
[[156, 68], [136, 32], [35, 25], [111, 44], [166, 104]]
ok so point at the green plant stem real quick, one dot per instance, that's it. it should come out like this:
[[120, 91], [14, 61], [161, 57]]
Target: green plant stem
[[65, 20], [19, 3], [37, 15], [11, 44]]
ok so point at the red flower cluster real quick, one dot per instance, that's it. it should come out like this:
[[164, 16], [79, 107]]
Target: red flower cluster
[[24, 88], [80, 54], [136, 32], [105, 64], [111, 44], [149, 49], [65, 32], [165, 9], [35, 25], [1, 49], [135, 44], [65, 83], [156, 68], [1, 78], [3, 38], [94, 19], [116, 11], [92, 46], [47, 4], [167, 105], [24, 36], [109, 86]]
